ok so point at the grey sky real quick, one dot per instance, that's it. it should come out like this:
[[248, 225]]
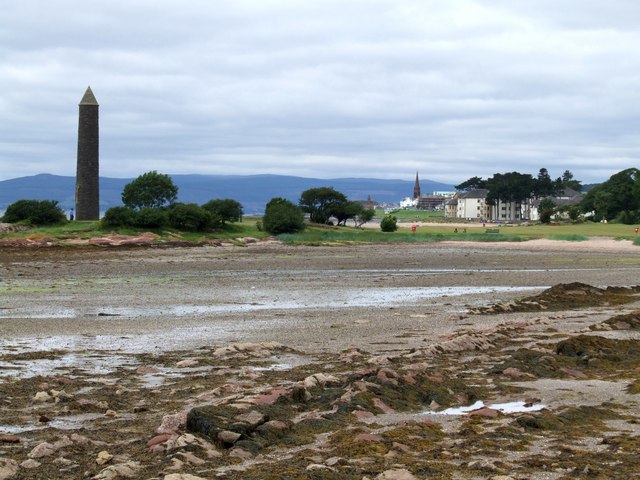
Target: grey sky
[[324, 88]]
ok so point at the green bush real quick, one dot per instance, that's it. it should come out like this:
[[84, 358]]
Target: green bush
[[34, 212], [389, 224], [119, 217], [227, 209], [190, 217], [151, 218], [282, 216], [628, 217]]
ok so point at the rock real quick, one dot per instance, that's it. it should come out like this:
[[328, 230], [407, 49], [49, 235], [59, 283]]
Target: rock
[[333, 461], [192, 459], [8, 469], [485, 412], [402, 447], [317, 467], [362, 414], [103, 457], [269, 398], [9, 439], [42, 450], [481, 465], [240, 453], [379, 360], [87, 403], [158, 439], [252, 418], [516, 374], [386, 375], [321, 380], [61, 396], [188, 362], [126, 470], [228, 437], [42, 397], [110, 413], [30, 464], [379, 404], [182, 476], [396, 474], [273, 425], [300, 394], [173, 423]]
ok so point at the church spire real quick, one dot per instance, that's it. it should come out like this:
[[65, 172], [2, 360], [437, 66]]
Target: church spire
[[416, 187]]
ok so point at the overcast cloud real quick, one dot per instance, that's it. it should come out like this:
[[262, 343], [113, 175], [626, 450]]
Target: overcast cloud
[[324, 88]]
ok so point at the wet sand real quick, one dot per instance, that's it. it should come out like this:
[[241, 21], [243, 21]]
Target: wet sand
[[189, 297]]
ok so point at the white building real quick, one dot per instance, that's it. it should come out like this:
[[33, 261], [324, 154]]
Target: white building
[[472, 205]]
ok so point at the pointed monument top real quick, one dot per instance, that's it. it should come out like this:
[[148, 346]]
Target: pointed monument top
[[89, 98]]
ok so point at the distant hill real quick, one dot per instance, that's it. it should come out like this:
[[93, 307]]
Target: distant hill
[[252, 191]]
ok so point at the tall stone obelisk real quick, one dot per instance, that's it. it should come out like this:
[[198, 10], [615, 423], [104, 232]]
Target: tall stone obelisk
[[87, 170]]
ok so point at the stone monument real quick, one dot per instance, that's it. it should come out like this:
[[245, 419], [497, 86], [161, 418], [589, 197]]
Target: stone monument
[[87, 170]]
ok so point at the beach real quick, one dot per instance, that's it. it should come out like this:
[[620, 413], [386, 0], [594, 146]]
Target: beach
[[116, 328]]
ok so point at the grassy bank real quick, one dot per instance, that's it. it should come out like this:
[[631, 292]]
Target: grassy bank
[[326, 235]]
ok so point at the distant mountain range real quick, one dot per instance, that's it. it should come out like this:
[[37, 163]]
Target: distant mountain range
[[252, 191]]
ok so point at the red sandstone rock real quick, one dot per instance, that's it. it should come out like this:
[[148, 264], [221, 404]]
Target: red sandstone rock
[[269, 398], [158, 439], [379, 404], [362, 414], [484, 412]]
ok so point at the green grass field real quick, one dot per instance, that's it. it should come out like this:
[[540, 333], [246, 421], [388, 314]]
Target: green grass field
[[327, 235]]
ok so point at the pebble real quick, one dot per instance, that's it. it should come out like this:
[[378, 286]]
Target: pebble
[[42, 397], [103, 457]]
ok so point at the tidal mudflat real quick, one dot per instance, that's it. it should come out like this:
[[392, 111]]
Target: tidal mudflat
[[268, 361]]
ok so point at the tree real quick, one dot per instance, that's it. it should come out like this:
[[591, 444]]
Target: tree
[[618, 197], [472, 184], [150, 190], [544, 186], [344, 211], [318, 202], [389, 223], [366, 215], [282, 216], [546, 209], [567, 181], [227, 209], [34, 212]]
